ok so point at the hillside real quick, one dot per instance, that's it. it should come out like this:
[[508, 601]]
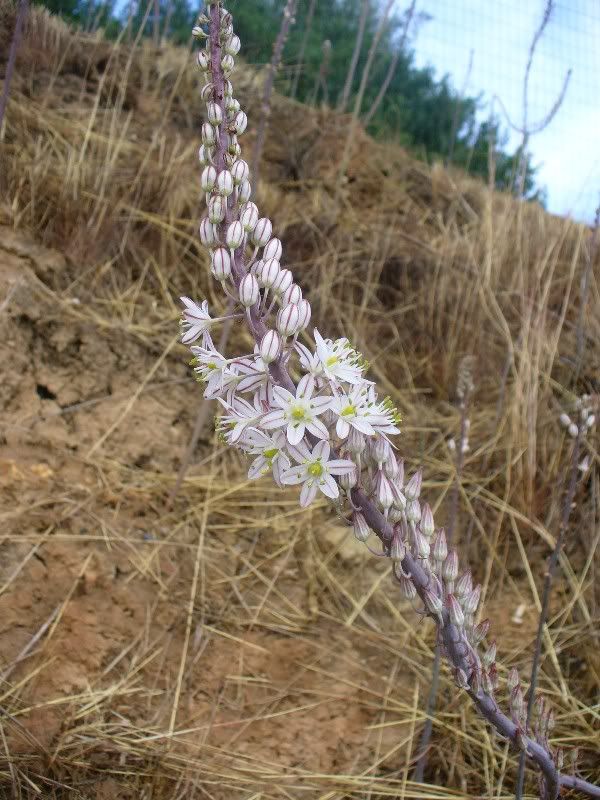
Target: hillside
[[232, 645]]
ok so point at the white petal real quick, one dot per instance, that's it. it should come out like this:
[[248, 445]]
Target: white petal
[[282, 397], [329, 487], [317, 428], [257, 468], [274, 419], [342, 428], [293, 476], [319, 404], [295, 433], [306, 387], [321, 450], [308, 494], [340, 466]]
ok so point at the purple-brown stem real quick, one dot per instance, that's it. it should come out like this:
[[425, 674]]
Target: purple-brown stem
[[458, 651]]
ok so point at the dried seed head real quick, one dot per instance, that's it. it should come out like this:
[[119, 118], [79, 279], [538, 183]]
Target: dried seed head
[[233, 45]]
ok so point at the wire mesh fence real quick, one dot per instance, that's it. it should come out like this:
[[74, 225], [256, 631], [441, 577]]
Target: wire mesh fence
[[485, 47]]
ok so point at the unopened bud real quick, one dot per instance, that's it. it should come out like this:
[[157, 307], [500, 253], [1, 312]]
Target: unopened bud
[[207, 92], [262, 232], [287, 320], [450, 567], [248, 216], [427, 525], [209, 135], [256, 268], [235, 235], [214, 113], [382, 450], [412, 490], [455, 612], [440, 548], [273, 249], [407, 587], [217, 207], [305, 314], [383, 491], [283, 282], [221, 264], [208, 233], [240, 171], [233, 46], [413, 511], [397, 549], [573, 430], [208, 178], [349, 480], [512, 679], [591, 420], [198, 33], [517, 704], [422, 547], [240, 122], [225, 183], [464, 585], [356, 442], [479, 632], [244, 191], [360, 527], [292, 294], [565, 420], [270, 346], [203, 60], [227, 64], [489, 657], [205, 155], [471, 600], [249, 290], [433, 604], [269, 272], [390, 467]]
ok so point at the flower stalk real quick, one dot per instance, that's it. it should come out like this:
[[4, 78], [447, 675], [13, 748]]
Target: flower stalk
[[329, 432]]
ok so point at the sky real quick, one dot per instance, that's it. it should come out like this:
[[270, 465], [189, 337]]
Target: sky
[[499, 35]]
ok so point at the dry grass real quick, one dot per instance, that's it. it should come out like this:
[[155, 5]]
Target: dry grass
[[236, 646]]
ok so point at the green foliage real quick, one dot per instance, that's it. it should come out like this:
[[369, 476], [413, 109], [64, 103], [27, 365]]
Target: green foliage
[[423, 112]]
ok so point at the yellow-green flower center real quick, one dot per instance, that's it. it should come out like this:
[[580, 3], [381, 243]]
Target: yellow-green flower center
[[271, 452], [212, 365], [349, 411], [298, 413], [316, 469], [331, 361]]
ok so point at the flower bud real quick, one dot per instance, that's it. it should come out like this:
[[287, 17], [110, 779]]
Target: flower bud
[[413, 511], [214, 113], [349, 480], [433, 604], [208, 233], [450, 567], [305, 314], [198, 33], [273, 249], [203, 60], [455, 612], [422, 547], [208, 178], [209, 135], [471, 601], [517, 704], [240, 171], [464, 585], [395, 515], [412, 490], [233, 45], [225, 183], [361, 529], [235, 235], [269, 272], [390, 467], [427, 525], [382, 450], [440, 548], [292, 294], [262, 232], [356, 441], [249, 216], [249, 291], [255, 269], [270, 346], [287, 320], [565, 420], [397, 549], [573, 430], [244, 191], [217, 207], [383, 491], [479, 632], [227, 64], [283, 281], [240, 122], [512, 679], [489, 657], [228, 89], [407, 587], [221, 264], [205, 154], [591, 420], [207, 92]]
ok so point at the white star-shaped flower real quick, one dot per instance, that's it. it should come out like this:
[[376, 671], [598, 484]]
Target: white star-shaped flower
[[315, 471], [360, 410], [218, 372], [298, 413], [339, 360], [270, 452], [196, 320]]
